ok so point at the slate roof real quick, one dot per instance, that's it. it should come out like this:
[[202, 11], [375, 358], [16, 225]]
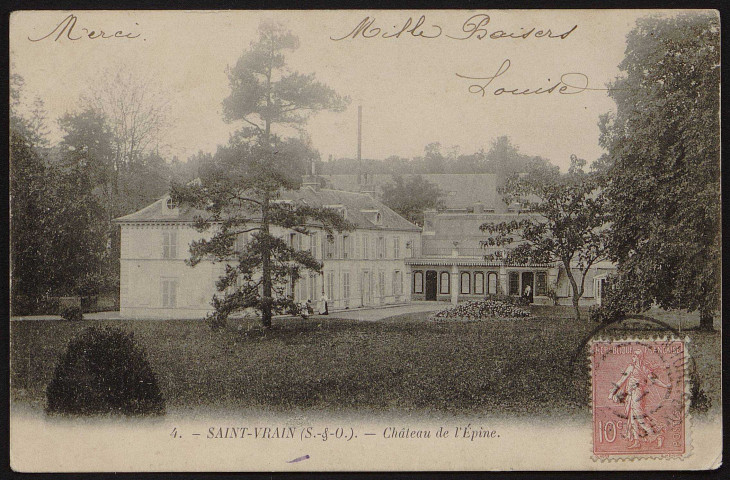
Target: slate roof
[[353, 202]]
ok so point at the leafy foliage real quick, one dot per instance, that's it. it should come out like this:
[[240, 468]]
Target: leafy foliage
[[502, 158], [104, 371], [662, 168], [411, 196], [563, 219]]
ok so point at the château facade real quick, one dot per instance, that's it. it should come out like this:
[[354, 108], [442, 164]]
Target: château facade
[[384, 260], [362, 267]]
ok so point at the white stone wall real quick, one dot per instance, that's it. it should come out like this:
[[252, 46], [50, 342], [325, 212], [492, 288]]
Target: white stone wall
[[146, 275]]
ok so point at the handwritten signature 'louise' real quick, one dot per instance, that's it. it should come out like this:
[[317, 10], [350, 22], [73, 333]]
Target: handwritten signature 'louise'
[[571, 83], [65, 30]]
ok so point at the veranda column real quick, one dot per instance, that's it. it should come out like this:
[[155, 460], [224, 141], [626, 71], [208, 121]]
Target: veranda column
[[455, 284]]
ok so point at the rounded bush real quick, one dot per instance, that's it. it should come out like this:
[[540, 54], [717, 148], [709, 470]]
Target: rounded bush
[[73, 313], [104, 371]]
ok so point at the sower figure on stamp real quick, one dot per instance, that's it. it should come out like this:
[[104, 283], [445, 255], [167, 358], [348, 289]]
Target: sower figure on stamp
[[634, 388]]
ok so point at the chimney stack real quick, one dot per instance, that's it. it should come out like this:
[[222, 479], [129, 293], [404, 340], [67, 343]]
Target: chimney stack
[[312, 180]]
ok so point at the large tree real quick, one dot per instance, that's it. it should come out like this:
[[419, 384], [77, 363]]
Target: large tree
[[240, 194], [563, 220], [57, 224], [411, 196], [663, 165]]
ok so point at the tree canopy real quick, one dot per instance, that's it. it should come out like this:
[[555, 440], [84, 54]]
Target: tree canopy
[[663, 165], [563, 220], [411, 196]]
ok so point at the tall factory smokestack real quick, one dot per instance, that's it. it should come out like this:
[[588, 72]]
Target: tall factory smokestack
[[359, 136]]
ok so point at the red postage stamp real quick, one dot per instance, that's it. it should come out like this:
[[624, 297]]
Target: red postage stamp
[[639, 401]]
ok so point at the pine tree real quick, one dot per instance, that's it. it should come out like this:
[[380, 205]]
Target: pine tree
[[241, 192]]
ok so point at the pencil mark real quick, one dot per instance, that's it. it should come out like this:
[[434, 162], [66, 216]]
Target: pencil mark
[[299, 459]]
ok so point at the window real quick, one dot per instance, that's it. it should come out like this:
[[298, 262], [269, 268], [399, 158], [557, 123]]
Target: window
[[380, 247], [365, 246], [346, 285], [417, 282], [329, 247], [169, 292], [492, 279], [170, 204], [241, 241], [445, 283], [465, 282], [303, 290], [345, 246], [479, 283], [396, 247], [397, 282], [514, 283], [169, 244], [541, 283], [313, 244], [331, 285], [381, 283]]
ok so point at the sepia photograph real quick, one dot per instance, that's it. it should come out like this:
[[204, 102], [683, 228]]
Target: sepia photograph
[[386, 240]]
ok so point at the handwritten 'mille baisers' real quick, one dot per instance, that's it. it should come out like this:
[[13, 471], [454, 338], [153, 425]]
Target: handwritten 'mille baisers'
[[475, 27]]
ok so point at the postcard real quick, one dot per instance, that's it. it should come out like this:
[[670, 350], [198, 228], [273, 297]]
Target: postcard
[[365, 240]]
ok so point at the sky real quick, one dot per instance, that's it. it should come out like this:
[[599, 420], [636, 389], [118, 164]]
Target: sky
[[407, 86]]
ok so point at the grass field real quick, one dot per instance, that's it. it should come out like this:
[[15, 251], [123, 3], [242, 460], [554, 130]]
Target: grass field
[[404, 363]]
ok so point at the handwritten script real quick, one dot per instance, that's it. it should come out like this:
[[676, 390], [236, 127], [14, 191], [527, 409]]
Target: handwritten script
[[67, 30], [475, 27], [571, 83]]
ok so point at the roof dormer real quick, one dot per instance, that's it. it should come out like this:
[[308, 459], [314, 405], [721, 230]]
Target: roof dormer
[[339, 208], [373, 215], [170, 208]]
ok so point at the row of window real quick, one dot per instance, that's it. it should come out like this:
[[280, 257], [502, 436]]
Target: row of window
[[307, 287], [335, 247], [473, 283], [343, 246]]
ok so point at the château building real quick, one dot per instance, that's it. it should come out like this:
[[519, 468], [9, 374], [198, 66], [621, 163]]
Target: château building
[[362, 267]]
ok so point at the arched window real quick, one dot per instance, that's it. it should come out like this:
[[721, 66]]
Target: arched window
[[479, 283], [445, 282], [417, 282], [492, 283], [465, 283]]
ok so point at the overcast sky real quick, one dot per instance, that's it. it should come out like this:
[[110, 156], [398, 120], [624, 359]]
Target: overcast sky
[[408, 86]]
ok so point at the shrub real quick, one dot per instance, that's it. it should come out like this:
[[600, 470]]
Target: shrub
[[28, 305], [612, 307], [508, 299], [483, 309], [72, 312], [104, 371]]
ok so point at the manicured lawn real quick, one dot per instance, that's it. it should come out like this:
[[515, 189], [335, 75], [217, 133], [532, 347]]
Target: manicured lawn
[[405, 363]]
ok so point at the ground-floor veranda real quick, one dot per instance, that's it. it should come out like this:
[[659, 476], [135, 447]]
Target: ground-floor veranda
[[454, 279]]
